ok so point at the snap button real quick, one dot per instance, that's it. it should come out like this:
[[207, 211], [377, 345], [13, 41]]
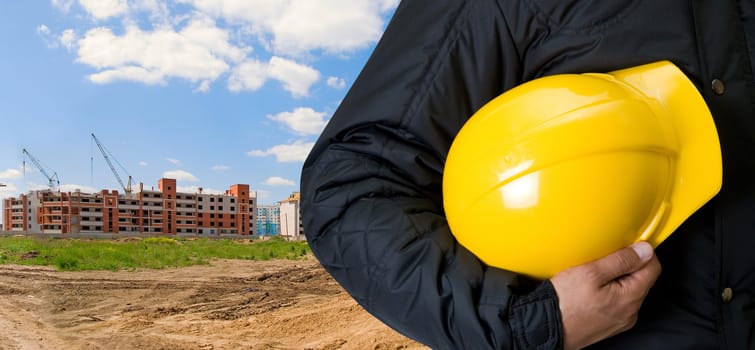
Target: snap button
[[718, 86], [726, 295]]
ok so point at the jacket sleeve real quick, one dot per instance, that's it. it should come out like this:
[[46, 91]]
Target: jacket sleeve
[[371, 187]]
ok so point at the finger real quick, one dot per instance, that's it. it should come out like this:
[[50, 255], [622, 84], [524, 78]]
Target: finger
[[639, 282], [622, 262]]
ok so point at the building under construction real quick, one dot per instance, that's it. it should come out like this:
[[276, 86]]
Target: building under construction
[[291, 227], [148, 212], [268, 220]]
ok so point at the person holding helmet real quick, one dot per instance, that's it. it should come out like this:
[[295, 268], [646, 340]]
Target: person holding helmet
[[600, 130]]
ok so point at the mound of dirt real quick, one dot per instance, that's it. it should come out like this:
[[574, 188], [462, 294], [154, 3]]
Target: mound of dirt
[[231, 304]]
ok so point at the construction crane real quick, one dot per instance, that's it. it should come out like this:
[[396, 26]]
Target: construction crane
[[52, 181], [107, 155]]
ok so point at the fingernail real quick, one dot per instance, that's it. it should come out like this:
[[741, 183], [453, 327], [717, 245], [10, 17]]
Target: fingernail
[[643, 249]]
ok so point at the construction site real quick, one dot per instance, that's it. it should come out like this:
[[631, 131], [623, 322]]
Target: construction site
[[227, 304], [141, 212], [230, 304], [134, 210]]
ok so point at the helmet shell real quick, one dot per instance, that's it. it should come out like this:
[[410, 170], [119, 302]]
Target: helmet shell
[[568, 168]]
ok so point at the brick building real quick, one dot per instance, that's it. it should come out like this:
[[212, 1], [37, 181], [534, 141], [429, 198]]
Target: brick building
[[164, 211]]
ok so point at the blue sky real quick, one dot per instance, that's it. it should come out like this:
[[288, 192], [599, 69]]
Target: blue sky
[[211, 92]]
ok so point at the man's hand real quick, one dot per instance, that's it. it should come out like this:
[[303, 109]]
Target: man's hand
[[601, 298]]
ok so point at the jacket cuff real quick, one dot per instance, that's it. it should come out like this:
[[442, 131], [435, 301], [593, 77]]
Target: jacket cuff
[[535, 319]]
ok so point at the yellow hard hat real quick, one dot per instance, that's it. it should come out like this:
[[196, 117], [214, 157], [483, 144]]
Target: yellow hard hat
[[568, 168]]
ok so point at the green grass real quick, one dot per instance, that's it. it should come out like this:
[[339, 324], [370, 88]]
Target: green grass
[[154, 253]]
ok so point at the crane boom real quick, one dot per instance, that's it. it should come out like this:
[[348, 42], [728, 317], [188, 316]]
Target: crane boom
[[52, 181], [126, 188]]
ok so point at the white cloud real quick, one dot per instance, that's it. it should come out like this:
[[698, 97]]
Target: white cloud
[[62, 5], [279, 181], [68, 39], [303, 121], [180, 175], [195, 189], [104, 9], [387, 5], [44, 32], [203, 32], [33, 186], [200, 52], [43, 29], [331, 25], [10, 174], [336, 83], [157, 9], [200, 41], [248, 76], [220, 167], [174, 161], [296, 27], [129, 73], [296, 152], [252, 74], [203, 87], [296, 78], [143, 163]]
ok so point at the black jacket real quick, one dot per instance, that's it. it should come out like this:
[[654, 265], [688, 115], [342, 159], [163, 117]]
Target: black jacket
[[371, 188]]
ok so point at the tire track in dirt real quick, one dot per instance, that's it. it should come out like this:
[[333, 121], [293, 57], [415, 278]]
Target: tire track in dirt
[[230, 304]]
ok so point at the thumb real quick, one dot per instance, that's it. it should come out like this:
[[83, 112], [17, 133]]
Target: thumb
[[622, 262]]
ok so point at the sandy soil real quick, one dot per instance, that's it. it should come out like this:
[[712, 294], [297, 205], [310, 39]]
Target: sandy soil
[[231, 304]]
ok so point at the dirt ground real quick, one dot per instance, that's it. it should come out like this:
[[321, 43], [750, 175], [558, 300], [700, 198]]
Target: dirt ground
[[231, 304]]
